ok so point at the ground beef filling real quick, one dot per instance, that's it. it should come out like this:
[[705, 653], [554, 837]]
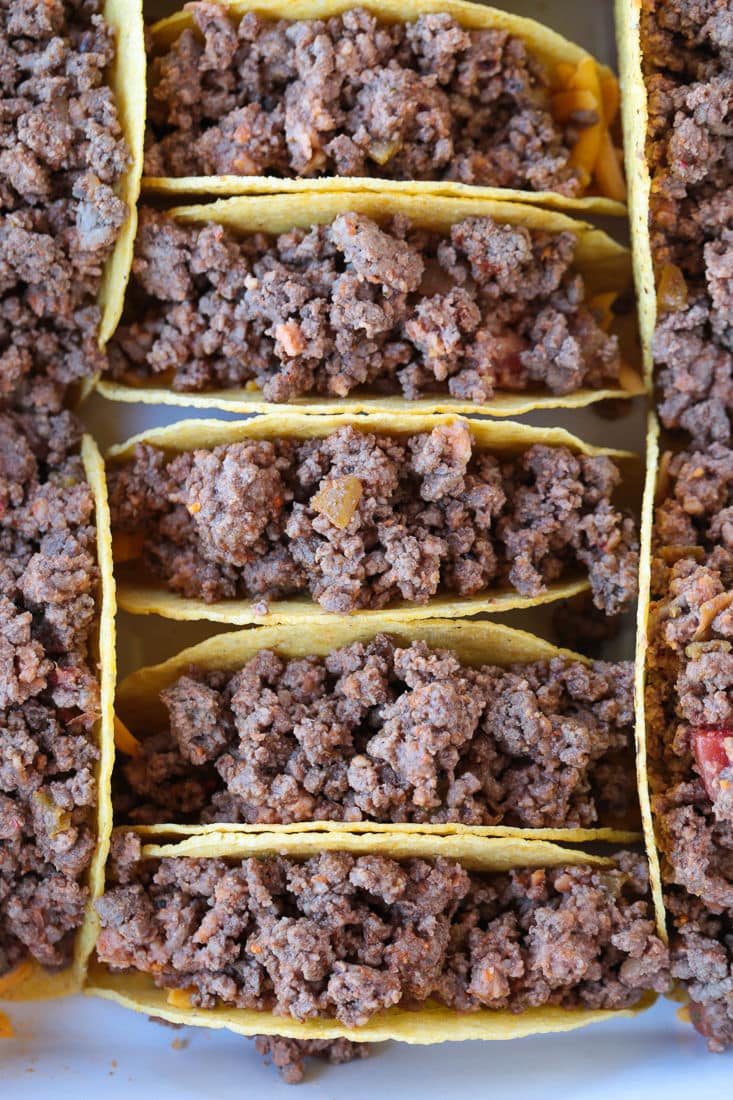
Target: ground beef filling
[[360, 520], [689, 73], [690, 673], [374, 732], [289, 1055], [701, 951], [346, 937], [49, 697], [401, 310], [61, 155], [350, 97]]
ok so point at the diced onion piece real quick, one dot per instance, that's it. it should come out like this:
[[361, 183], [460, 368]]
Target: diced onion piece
[[127, 547], [382, 151], [671, 289], [337, 499], [124, 740], [607, 170]]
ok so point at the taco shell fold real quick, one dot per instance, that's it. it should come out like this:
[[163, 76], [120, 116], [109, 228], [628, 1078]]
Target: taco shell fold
[[642, 626], [604, 264], [431, 1024], [30, 982], [143, 595], [556, 54], [634, 117], [139, 706]]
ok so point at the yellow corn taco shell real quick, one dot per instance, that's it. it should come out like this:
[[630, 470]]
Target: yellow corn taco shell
[[29, 981], [634, 119], [431, 1024], [560, 58], [144, 596], [126, 78], [642, 624], [139, 706], [604, 265]]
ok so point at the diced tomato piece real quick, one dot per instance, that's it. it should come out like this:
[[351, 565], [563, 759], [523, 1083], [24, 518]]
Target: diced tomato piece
[[713, 748]]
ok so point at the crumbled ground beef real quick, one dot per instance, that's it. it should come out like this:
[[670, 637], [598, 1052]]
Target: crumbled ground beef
[[689, 72], [374, 732], [61, 155], [701, 952], [690, 673], [396, 309], [348, 96], [49, 697], [289, 1055], [347, 937], [359, 520]]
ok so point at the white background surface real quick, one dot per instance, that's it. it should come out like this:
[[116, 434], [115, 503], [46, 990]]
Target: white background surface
[[83, 1047]]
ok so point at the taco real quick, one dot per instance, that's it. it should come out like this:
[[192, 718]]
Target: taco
[[70, 184], [356, 301], [441, 726], [284, 518], [416, 938], [459, 99], [687, 761], [676, 73], [56, 711]]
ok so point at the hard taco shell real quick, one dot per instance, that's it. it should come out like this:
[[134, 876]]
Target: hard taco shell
[[144, 596], [555, 53], [604, 265], [475, 643], [431, 1024], [30, 982]]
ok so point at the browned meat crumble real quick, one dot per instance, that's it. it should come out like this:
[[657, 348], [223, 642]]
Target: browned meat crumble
[[61, 154], [689, 63], [348, 96], [289, 1055], [49, 697], [690, 668], [701, 952], [398, 309], [359, 520], [375, 732], [348, 936]]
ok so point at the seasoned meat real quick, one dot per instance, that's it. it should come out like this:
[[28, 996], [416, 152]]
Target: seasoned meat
[[485, 307], [348, 936], [375, 732], [349, 96], [359, 520], [49, 696]]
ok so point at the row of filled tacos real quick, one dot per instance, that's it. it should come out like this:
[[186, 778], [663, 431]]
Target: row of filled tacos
[[429, 562], [676, 78], [433, 334]]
